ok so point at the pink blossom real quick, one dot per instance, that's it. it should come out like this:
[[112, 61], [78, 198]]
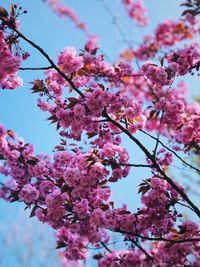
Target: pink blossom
[[69, 62]]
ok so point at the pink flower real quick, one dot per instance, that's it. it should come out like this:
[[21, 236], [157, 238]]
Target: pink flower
[[69, 62], [29, 194], [92, 43], [136, 11]]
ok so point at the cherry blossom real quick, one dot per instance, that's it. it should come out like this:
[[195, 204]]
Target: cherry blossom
[[71, 190]]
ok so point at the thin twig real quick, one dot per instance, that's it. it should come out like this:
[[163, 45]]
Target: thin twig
[[157, 238], [37, 47], [161, 119], [172, 151], [156, 165], [137, 165], [37, 68], [106, 247], [142, 249]]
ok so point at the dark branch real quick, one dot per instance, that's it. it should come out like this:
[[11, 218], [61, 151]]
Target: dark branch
[[106, 247], [37, 47], [156, 165], [138, 165], [142, 249], [157, 238], [172, 151], [37, 68]]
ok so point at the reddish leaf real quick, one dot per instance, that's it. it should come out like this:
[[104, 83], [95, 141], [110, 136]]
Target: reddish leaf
[[102, 183], [104, 207], [11, 134], [14, 196], [33, 161], [124, 212], [86, 70], [73, 101], [38, 86], [3, 13], [58, 126], [53, 118], [144, 189], [60, 245], [101, 85], [152, 114], [33, 211], [90, 135], [98, 256], [173, 231], [60, 148], [63, 142], [188, 11], [12, 11]]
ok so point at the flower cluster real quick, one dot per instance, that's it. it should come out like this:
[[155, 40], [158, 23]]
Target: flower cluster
[[9, 66], [167, 34], [180, 119], [136, 11], [92, 43], [147, 50], [170, 32], [67, 14], [69, 194], [159, 76], [183, 60], [71, 191], [69, 62]]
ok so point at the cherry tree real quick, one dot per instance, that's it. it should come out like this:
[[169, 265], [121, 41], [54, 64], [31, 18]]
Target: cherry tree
[[143, 93]]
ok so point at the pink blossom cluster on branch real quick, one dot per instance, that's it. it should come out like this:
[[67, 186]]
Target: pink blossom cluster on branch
[[167, 34], [136, 11], [9, 66], [67, 13], [71, 191], [70, 194]]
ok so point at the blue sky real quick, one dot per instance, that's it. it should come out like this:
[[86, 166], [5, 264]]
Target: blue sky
[[18, 109]]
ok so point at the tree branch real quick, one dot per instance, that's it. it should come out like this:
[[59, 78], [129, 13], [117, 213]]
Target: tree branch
[[142, 249], [156, 165], [106, 247], [37, 47], [137, 165], [37, 68], [146, 152], [171, 150], [157, 238]]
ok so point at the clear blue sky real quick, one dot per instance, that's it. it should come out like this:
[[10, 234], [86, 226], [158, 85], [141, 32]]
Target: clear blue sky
[[18, 108]]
